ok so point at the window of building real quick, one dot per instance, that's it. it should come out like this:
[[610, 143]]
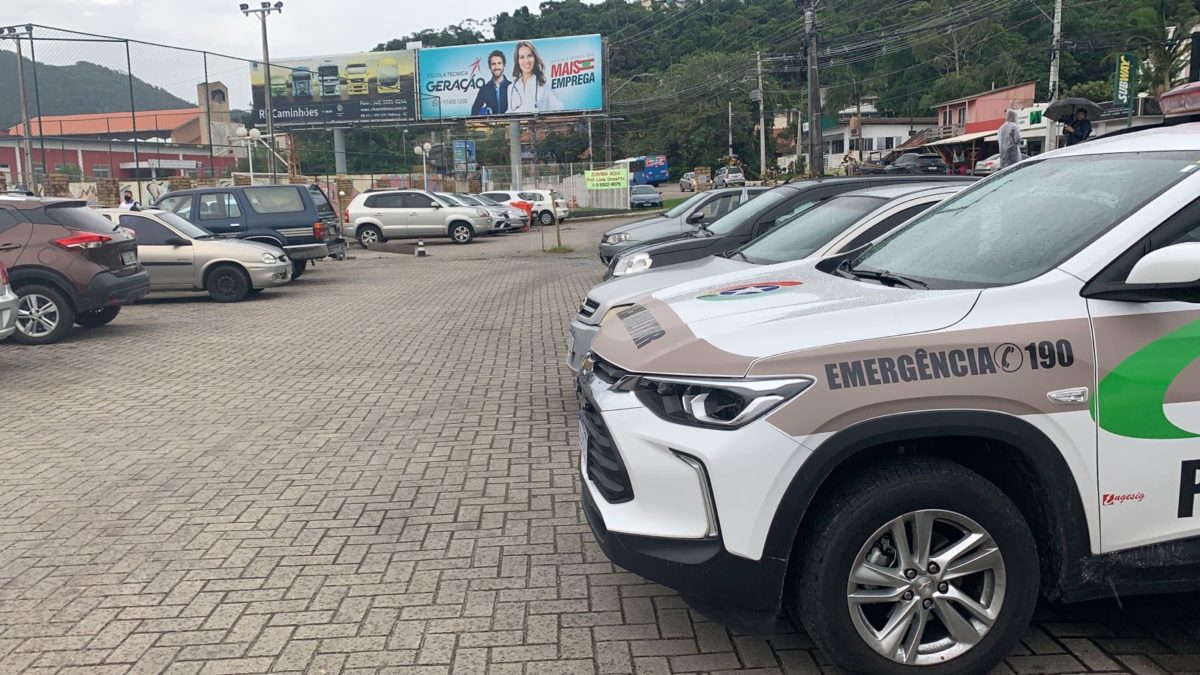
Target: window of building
[[962, 115], [102, 170], [835, 147]]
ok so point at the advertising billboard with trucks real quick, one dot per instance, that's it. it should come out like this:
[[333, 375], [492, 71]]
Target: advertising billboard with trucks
[[370, 87], [527, 77]]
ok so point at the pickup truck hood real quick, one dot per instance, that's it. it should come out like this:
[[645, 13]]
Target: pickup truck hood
[[722, 326], [624, 290], [683, 242]]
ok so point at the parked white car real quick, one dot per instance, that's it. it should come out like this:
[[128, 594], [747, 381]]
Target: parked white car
[[8, 305], [542, 201]]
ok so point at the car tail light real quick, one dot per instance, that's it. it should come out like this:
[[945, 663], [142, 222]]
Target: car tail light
[[83, 240], [319, 231], [3, 275], [346, 215]]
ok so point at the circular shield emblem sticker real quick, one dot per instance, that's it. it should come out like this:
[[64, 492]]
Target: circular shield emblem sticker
[[746, 291]]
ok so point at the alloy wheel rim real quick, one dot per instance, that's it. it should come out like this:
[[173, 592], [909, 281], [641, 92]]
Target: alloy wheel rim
[[37, 315], [926, 587], [460, 233], [369, 237]]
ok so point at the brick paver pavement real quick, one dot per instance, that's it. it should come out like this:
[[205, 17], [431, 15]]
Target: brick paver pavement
[[372, 470]]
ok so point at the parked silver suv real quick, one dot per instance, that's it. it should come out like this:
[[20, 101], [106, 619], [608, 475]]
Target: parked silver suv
[[376, 216]]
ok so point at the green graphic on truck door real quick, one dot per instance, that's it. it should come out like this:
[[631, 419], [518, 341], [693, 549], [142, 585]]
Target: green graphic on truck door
[[1132, 398]]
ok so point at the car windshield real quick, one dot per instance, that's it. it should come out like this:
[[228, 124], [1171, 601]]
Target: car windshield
[[735, 218], [453, 201], [467, 199], [644, 190], [183, 226], [810, 230], [487, 200], [1026, 220], [680, 209]]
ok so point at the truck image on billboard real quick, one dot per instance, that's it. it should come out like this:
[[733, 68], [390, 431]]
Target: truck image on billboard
[[527, 77], [371, 87]]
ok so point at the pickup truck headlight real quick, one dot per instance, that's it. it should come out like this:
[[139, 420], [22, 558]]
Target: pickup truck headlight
[[616, 238], [634, 264], [712, 403], [268, 259]]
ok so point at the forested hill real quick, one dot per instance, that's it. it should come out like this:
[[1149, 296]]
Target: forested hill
[[80, 88]]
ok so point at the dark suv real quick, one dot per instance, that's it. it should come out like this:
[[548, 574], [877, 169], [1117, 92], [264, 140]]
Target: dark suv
[[67, 264], [913, 163], [297, 218]]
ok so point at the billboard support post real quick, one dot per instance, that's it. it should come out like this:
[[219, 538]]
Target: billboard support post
[[514, 152], [339, 152]]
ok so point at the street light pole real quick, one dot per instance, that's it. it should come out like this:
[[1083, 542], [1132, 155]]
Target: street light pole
[[262, 13], [423, 151]]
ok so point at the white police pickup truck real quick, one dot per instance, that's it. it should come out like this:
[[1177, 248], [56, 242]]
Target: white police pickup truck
[[907, 445]]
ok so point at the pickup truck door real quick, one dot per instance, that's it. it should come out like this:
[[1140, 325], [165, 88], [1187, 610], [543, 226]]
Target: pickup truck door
[[219, 213], [1147, 404]]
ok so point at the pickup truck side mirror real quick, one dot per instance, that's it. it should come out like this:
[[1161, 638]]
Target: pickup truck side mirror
[[1171, 273], [177, 241], [695, 217]]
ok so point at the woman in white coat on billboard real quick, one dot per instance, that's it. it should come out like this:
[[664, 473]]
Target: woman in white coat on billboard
[[529, 91]]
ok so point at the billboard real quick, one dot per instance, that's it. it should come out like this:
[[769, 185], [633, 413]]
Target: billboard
[[530, 77], [342, 89]]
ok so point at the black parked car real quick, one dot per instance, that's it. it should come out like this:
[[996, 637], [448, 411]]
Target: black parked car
[[751, 220], [913, 163], [297, 218]]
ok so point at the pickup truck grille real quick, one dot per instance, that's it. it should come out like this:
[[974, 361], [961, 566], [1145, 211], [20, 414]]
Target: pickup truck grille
[[604, 466], [588, 308]]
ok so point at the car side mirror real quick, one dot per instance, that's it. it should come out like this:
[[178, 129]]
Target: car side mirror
[[177, 241], [435, 205], [1171, 273], [696, 217]]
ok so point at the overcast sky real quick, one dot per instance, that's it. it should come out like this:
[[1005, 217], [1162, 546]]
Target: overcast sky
[[306, 27]]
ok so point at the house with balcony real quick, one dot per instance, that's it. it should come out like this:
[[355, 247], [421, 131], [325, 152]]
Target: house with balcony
[[980, 112]]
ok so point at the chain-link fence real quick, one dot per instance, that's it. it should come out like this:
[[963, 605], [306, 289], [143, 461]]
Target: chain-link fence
[[94, 115]]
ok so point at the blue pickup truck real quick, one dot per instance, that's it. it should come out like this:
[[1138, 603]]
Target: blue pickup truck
[[297, 218]]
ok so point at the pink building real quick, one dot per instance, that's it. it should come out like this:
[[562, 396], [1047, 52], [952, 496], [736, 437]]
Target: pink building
[[981, 112]]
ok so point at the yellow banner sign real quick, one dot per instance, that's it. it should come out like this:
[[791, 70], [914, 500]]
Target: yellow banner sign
[[606, 179]]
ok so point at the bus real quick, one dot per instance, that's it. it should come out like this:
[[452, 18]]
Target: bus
[[645, 170]]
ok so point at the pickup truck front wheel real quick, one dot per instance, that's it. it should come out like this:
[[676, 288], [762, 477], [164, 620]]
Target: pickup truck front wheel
[[917, 566], [298, 267]]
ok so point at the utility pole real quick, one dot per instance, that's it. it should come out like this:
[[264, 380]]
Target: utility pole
[[816, 158], [731, 129], [1055, 50], [26, 140], [762, 122]]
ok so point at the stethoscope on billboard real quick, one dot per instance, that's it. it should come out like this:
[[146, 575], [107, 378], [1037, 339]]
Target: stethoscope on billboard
[[518, 99]]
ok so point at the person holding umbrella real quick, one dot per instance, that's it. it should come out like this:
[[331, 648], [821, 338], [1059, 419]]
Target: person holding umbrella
[[1079, 128]]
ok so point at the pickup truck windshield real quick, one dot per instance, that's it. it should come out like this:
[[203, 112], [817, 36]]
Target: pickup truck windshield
[[1026, 220]]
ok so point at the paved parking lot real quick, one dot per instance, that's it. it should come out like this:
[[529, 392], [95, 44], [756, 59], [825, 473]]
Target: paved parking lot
[[371, 470]]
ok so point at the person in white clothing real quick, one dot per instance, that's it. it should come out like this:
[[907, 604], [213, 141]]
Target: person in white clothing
[[129, 204], [529, 92]]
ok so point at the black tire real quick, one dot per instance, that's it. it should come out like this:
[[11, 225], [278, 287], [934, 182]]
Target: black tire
[[51, 306], [298, 267], [462, 233], [369, 235], [98, 317], [546, 218], [851, 518], [227, 283], [254, 291]]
